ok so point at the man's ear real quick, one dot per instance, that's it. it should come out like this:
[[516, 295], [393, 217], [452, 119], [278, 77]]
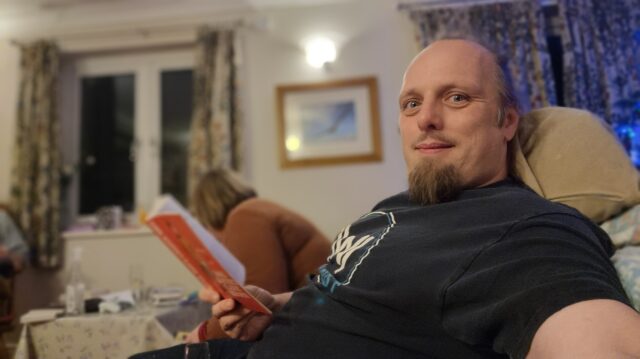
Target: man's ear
[[510, 124]]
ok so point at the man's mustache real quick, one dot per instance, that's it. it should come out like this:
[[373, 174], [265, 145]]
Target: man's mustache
[[433, 137]]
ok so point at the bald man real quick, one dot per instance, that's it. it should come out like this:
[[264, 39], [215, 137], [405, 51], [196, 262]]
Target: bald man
[[468, 263]]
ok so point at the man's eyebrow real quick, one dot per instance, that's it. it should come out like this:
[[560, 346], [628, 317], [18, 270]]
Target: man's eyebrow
[[472, 88], [466, 86], [408, 93]]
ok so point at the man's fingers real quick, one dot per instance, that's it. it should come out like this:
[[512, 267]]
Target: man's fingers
[[209, 295], [244, 334], [229, 321], [242, 322], [232, 317], [238, 328], [233, 324], [223, 307]]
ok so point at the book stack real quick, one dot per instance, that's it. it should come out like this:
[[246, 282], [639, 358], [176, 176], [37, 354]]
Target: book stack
[[161, 297]]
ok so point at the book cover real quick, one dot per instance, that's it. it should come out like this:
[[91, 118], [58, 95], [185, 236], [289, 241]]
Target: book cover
[[212, 264]]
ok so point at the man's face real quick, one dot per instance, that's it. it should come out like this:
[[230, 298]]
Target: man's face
[[449, 113]]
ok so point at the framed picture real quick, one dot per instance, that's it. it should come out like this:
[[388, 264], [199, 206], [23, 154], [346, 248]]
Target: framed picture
[[329, 123]]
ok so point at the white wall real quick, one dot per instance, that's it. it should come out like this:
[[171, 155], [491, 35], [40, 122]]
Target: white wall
[[9, 69], [332, 196]]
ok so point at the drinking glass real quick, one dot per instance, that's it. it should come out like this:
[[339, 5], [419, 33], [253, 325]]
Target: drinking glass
[[136, 282]]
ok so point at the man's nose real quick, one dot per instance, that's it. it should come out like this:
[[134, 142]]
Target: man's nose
[[429, 118]]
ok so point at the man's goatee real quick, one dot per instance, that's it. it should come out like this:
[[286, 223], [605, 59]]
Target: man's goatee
[[431, 184]]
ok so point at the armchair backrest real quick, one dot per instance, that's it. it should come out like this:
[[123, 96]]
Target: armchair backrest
[[572, 157]]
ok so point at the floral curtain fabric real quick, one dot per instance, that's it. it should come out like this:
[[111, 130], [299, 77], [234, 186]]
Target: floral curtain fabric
[[35, 178], [514, 30], [215, 126], [601, 41]]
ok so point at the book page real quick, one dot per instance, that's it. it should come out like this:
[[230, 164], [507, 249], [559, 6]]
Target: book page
[[167, 204], [200, 252]]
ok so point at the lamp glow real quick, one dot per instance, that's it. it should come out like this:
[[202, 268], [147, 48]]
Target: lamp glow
[[320, 51], [292, 143]]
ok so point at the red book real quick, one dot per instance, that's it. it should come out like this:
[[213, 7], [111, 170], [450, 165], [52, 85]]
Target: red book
[[209, 260]]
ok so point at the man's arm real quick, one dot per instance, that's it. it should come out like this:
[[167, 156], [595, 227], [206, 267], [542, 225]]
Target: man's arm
[[599, 328]]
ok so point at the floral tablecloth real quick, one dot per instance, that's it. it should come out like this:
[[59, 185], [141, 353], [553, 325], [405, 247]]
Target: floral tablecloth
[[106, 335]]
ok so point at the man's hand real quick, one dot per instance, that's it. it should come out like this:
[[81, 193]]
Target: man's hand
[[239, 322], [193, 337]]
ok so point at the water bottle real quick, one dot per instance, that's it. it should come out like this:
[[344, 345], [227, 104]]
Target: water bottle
[[74, 293]]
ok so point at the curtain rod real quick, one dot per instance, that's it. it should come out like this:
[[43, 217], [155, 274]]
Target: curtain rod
[[144, 32], [412, 5]]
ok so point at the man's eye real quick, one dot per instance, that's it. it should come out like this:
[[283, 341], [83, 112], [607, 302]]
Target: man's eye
[[458, 98], [410, 104]]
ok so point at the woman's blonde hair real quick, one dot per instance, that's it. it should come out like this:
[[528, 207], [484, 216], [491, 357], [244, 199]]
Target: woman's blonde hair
[[217, 193]]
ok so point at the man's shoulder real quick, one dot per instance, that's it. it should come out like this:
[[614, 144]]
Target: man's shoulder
[[507, 195], [515, 196], [397, 200], [531, 210]]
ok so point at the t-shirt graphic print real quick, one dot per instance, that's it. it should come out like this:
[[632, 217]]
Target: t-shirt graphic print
[[352, 246]]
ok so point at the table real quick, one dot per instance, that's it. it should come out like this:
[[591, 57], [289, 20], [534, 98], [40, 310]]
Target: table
[[110, 336]]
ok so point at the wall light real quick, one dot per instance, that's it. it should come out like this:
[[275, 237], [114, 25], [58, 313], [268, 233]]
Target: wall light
[[292, 143], [320, 51]]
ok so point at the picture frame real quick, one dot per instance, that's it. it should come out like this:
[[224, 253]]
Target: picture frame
[[329, 123]]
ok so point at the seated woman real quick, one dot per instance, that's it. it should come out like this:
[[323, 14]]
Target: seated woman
[[13, 247], [277, 246]]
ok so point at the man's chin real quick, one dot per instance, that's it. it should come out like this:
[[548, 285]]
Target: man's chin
[[431, 182]]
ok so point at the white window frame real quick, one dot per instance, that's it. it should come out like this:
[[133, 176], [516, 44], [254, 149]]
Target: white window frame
[[146, 67]]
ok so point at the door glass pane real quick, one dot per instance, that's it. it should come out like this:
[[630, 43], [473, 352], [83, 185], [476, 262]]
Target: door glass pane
[[107, 114], [177, 100]]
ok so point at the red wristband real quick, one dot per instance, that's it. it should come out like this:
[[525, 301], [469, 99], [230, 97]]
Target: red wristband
[[202, 331]]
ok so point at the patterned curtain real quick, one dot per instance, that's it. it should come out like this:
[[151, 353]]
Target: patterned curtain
[[35, 179], [215, 126], [602, 57], [514, 30]]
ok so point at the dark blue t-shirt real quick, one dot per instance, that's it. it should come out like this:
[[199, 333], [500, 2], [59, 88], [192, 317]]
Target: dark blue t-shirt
[[470, 278]]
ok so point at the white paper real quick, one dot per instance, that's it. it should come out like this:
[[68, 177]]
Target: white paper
[[122, 296], [40, 315]]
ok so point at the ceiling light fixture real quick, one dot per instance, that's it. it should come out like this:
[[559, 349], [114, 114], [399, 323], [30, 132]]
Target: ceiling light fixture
[[320, 51]]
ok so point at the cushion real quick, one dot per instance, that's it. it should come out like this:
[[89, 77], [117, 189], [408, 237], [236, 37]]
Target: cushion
[[627, 264], [572, 157], [624, 229]]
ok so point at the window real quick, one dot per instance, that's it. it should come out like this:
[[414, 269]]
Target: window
[[126, 121], [177, 99], [107, 110]]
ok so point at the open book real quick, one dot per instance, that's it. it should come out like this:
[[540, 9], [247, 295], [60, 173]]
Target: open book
[[201, 253]]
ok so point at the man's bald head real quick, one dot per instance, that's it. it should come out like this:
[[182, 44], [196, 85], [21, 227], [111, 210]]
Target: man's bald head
[[506, 94]]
